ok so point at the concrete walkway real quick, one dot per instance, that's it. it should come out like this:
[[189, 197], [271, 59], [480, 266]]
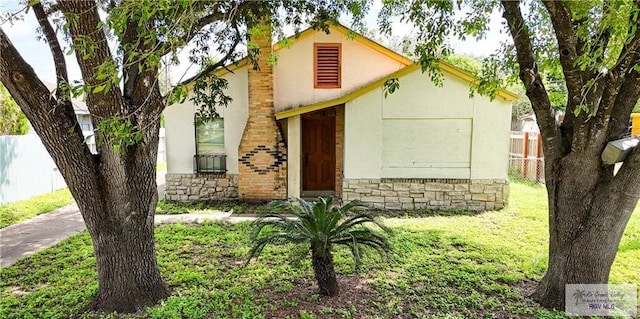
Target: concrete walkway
[[40, 232], [46, 230]]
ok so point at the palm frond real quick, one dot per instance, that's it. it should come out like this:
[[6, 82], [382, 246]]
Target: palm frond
[[352, 205], [366, 237], [279, 222], [360, 219], [277, 238], [322, 225]]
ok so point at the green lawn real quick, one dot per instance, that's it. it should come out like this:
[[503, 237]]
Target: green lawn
[[171, 208], [13, 213], [200, 207], [441, 267]]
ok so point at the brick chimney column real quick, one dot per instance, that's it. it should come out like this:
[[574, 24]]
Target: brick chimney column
[[262, 155]]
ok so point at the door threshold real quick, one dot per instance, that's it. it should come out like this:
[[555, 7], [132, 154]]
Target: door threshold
[[318, 193]]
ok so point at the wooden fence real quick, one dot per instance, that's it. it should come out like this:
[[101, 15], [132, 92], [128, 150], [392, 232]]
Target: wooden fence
[[526, 159]]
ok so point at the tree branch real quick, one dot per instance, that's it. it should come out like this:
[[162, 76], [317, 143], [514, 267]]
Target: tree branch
[[84, 19], [599, 42], [221, 63], [631, 46], [626, 100], [619, 89], [55, 124], [211, 18], [53, 8], [201, 23], [581, 44], [141, 88], [62, 96], [619, 93], [536, 91], [561, 18]]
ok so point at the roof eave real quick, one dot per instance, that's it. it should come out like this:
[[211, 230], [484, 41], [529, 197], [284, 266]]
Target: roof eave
[[347, 97], [444, 66]]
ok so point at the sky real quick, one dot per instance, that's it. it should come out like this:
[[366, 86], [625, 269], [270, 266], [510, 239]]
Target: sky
[[36, 52]]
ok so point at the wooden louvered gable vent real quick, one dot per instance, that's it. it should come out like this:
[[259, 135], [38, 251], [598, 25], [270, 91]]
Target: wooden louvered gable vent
[[327, 65]]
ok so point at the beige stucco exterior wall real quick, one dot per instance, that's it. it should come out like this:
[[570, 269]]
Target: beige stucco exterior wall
[[180, 131], [424, 131], [294, 149], [490, 145], [294, 70], [180, 139], [363, 136]]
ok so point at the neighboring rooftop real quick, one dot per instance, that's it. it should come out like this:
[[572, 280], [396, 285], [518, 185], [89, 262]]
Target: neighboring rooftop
[[79, 106]]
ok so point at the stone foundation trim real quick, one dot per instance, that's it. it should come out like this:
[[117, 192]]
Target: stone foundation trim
[[426, 180], [436, 194], [201, 187]]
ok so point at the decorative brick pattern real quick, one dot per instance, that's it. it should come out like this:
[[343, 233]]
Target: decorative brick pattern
[[278, 159], [201, 187], [262, 167], [445, 194]]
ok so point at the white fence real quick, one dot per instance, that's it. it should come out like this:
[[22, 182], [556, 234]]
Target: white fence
[[27, 169]]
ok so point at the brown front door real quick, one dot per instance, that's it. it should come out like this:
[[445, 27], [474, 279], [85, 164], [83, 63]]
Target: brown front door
[[318, 153]]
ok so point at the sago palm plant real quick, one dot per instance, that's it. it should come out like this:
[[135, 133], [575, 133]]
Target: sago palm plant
[[321, 225]]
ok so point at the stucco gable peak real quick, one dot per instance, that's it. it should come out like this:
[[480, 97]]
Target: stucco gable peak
[[339, 28]]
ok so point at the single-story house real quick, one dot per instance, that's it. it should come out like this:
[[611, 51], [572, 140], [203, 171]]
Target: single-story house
[[318, 122]]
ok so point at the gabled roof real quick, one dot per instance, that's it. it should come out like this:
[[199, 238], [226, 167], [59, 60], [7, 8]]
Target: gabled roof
[[309, 32], [409, 66], [444, 66]]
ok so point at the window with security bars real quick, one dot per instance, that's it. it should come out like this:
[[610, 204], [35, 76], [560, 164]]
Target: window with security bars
[[210, 151], [327, 65]]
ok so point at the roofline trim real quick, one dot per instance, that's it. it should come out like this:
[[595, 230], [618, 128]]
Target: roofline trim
[[444, 66], [347, 97]]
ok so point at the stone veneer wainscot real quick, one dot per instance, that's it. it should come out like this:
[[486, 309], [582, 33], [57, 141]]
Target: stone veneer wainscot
[[438, 194], [201, 187]]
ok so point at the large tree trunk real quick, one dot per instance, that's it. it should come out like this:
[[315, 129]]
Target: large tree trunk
[[589, 206], [324, 272], [122, 231], [115, 190], [587, 217], [128, 275]]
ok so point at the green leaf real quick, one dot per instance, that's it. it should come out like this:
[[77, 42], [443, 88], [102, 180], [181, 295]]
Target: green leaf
[[98, 88], [390, 86]]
